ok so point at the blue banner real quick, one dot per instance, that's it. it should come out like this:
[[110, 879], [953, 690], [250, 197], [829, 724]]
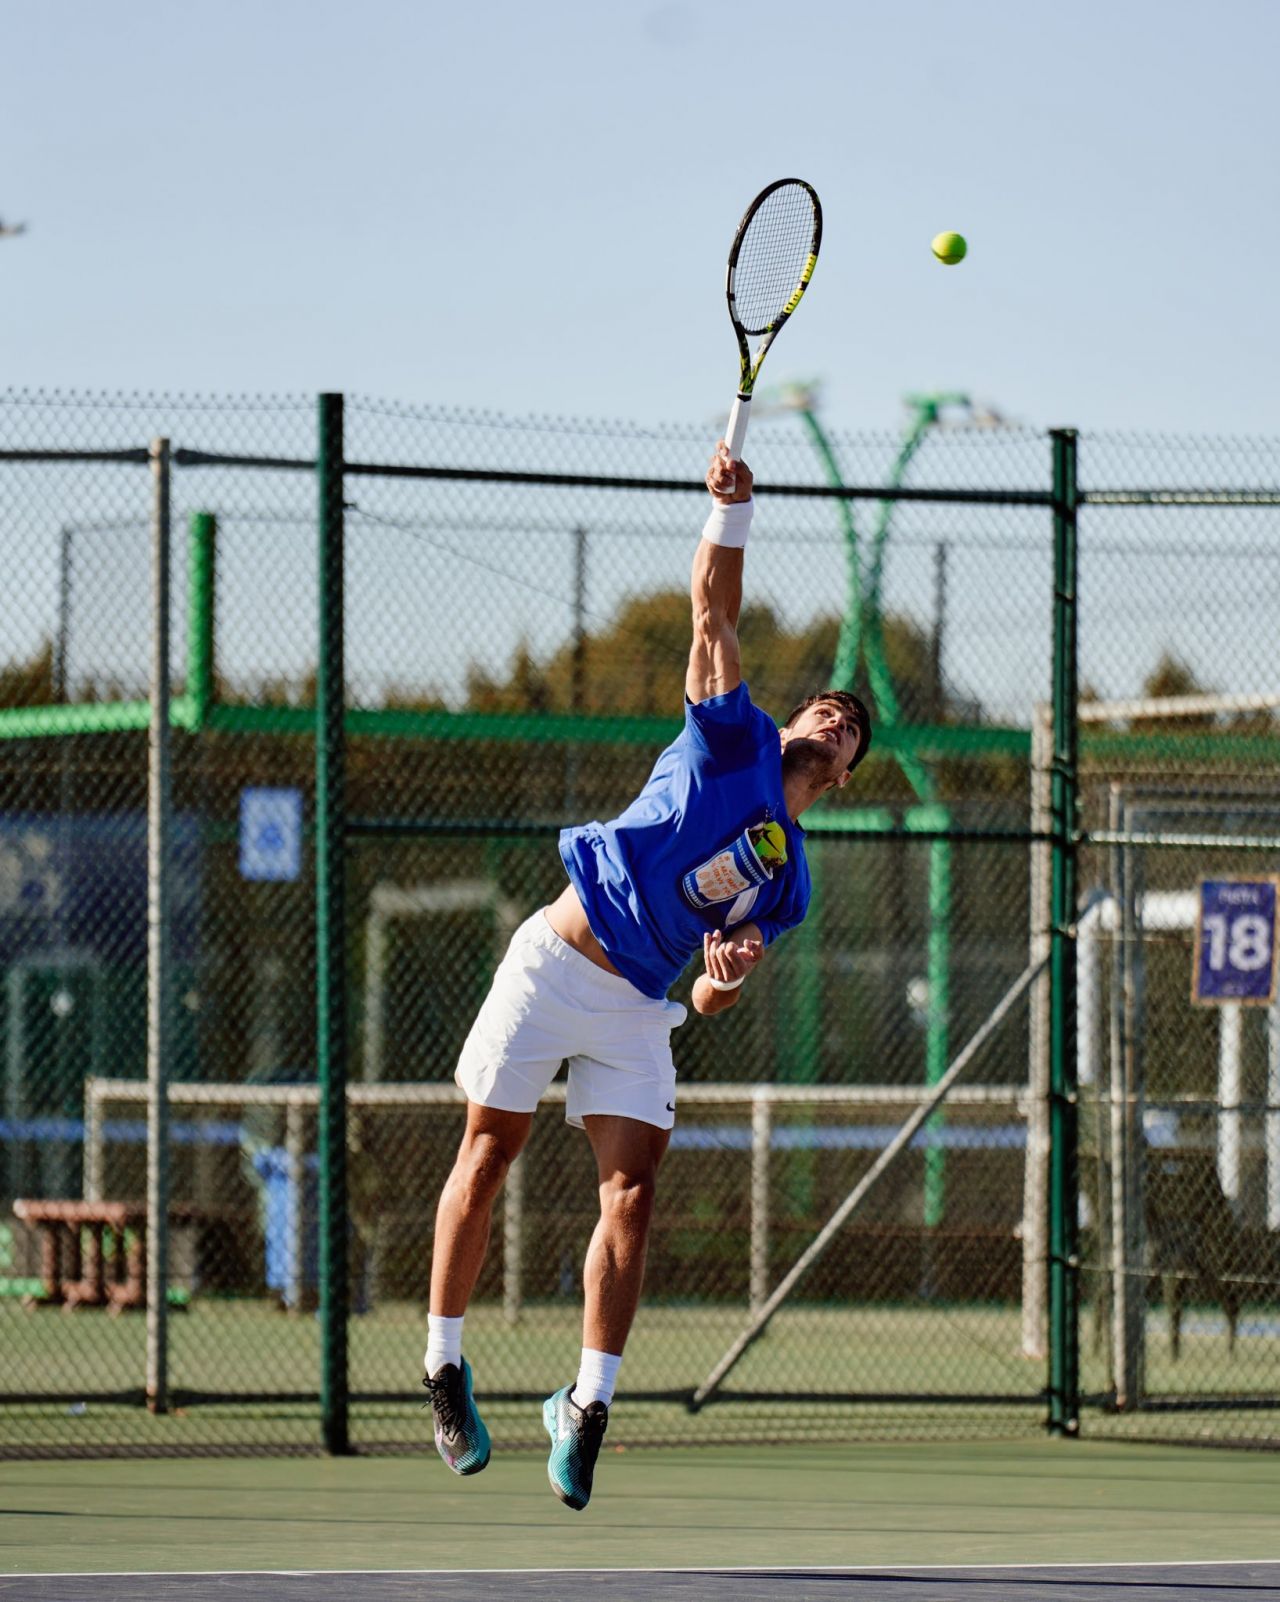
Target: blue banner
[[1235, 957]]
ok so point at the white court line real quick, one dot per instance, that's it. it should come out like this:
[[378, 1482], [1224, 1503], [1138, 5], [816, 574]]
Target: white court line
[[741, 1568]]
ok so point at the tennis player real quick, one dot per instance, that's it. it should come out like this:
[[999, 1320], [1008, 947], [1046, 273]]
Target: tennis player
[[709, 856]]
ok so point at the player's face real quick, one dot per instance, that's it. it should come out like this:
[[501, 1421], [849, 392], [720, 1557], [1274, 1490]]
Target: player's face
[[826, 723]]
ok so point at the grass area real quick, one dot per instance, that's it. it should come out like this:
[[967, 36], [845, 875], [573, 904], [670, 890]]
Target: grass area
[[899, 1362]]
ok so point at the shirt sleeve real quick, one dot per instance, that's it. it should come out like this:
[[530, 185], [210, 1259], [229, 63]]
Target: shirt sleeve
[[729, 728]]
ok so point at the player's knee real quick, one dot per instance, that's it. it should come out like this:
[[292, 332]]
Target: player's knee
[[482, 1166], [626, 1200]]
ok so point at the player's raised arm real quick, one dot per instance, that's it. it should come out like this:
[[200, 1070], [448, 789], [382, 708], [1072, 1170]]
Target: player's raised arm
[[715, 665]]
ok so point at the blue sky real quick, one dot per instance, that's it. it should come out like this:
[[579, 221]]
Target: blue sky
[[527, 208]]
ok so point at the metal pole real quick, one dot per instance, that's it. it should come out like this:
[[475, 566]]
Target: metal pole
[[761, 1141], [159, 977], [938, 1037], [201, 544], [295, 1146], [1230, 1017], [94, 1157], [1128, 1091], [1035, 1181], [1119, 1154], [513, 1243], [1064, 1355], [936, 696], [331, 1033]]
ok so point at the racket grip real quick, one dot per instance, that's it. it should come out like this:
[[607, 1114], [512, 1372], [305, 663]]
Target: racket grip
[[736, 432]]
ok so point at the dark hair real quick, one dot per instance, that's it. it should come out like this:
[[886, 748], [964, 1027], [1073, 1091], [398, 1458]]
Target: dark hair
[[847, 702]]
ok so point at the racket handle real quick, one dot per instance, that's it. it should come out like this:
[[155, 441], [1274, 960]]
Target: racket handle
[[736, 432]]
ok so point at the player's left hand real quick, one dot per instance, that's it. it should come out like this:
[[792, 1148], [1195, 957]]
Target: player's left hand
[[728, 961]]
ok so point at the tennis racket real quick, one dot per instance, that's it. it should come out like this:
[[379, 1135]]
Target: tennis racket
[[774, 253]]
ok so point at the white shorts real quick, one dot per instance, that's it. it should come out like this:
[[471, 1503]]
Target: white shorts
[[549, 1002]]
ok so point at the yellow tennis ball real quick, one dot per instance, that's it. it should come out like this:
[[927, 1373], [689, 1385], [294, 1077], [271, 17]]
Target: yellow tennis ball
[[771, 843], [950, 248]]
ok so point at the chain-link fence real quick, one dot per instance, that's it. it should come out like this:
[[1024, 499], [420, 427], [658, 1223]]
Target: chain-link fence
[[513, 647], [1179, 1032]]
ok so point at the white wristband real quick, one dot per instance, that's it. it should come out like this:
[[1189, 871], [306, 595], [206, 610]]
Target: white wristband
[[729, 525], [725, 984]]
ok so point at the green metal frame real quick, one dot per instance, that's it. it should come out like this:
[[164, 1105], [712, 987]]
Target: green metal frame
[[331, 979], [862, 632], [1064, 1265]]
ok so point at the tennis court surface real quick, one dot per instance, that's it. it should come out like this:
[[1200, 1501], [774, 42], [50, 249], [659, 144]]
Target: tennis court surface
[[1142, 1583], [1067, 1521]]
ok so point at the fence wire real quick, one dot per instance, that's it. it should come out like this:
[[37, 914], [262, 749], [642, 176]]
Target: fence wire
[[514, 659]]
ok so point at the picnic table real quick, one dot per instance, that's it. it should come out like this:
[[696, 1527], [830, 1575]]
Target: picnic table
[[79, 1267]]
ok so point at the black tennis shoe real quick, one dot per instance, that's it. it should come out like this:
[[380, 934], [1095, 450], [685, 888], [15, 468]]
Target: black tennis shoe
[[461, 1438]]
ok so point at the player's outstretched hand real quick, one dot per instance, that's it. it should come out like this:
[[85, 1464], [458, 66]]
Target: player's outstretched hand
[[728, 481]]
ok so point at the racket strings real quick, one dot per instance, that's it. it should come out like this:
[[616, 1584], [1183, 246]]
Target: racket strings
[[775, 250]]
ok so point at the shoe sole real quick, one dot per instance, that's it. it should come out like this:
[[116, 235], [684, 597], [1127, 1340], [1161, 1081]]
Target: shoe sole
[[464, 1472], [549, 1424]]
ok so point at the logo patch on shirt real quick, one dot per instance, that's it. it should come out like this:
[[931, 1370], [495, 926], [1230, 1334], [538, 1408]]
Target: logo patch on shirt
[[734, 874]]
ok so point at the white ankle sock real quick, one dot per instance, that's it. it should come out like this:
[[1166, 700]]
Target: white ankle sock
[[597, 1376], [444, 1343]]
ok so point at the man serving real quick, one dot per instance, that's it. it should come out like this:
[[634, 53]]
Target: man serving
[[710, 854]]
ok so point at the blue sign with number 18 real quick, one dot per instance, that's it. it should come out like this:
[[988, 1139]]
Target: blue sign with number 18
[[1236, 941]]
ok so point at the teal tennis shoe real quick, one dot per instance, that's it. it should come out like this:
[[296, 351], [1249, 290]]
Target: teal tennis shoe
[[461, 1438], [576, 1433]]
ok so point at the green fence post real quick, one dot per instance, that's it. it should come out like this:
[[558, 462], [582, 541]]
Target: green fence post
[[202, 536], [331, 1033], [1064, 1357], [938, 979]]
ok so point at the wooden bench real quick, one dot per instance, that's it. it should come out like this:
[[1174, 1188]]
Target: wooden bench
[[80, 1272]]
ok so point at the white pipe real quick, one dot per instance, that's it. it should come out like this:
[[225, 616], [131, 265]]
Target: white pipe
[[1172, 706], [761, 1139], [1035, 1173], [1089, 993], [1229, 1069], [513, 1242], [295, 1191]]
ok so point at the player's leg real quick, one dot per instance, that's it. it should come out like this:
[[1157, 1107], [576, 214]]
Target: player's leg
[[628, 1153], [491, 1142], [509, 1058]]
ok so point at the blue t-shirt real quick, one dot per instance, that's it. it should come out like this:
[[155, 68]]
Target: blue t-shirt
[[680, 861]]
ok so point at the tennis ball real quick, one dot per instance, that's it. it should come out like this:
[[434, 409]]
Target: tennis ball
[[771, 844], [950, 248]]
